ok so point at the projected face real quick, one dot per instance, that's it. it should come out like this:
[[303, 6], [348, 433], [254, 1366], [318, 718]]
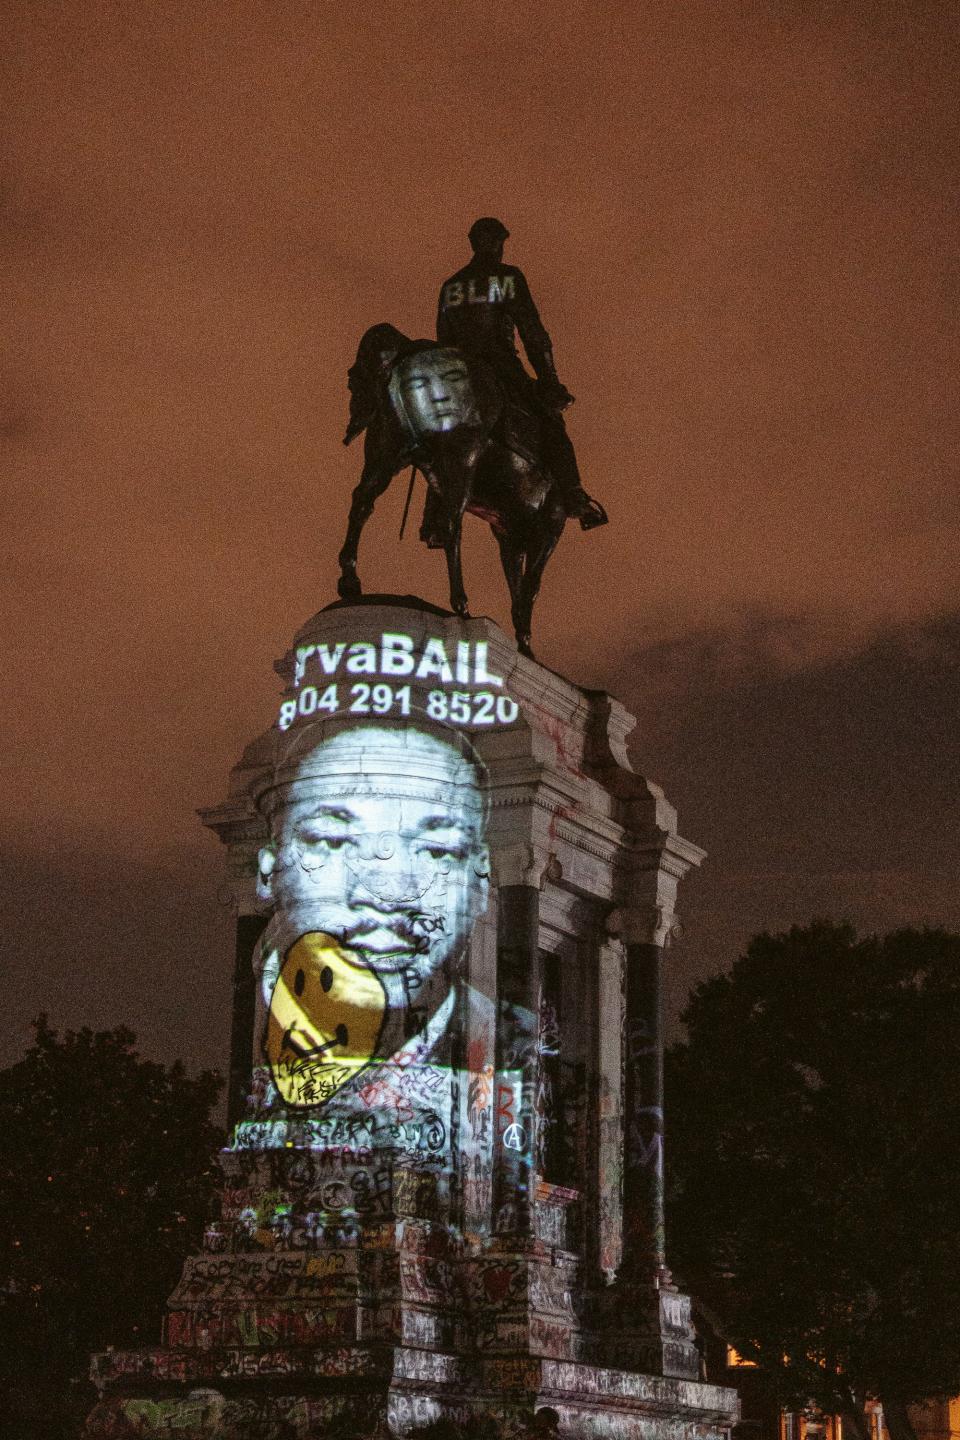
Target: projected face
[[382, 848], [437, 391], [378, 868]]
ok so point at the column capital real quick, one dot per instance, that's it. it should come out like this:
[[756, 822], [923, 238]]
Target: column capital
[[521, 864], [644, 925], [669, 853]]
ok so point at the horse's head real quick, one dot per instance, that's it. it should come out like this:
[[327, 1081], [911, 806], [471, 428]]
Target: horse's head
[[436, 390], [378, 349], [432, 392]]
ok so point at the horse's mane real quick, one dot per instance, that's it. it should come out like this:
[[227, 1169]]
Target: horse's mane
[[378, 352], [379, 349]]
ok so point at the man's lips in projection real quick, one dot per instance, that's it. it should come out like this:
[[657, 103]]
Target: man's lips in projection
[[390, 935]]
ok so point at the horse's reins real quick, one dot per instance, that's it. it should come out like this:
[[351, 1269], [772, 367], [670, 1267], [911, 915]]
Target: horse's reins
[[406, 508]]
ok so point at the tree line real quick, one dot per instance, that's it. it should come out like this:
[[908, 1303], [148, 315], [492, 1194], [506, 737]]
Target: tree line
[[813, 1189], [106, 1182], [813, 1113]]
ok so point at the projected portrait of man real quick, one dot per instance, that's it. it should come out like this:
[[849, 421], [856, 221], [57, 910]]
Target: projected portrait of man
[[377, 868], [433, 389]]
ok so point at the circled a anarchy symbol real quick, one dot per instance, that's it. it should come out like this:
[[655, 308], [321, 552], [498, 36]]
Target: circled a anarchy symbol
[[513, 1136]]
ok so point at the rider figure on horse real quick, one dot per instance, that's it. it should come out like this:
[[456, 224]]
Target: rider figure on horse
[[487, 436], [480, 309]]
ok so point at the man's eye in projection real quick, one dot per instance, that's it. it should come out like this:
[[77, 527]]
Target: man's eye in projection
[[318, 840], [312, 850], [446, 855]]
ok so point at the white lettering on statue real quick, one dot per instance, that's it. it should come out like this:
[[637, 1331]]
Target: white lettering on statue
[[500, 287], [303, 655], [396, 654], [434, 661], [329, 661], [453, 294], [481, 675], [362, 658]]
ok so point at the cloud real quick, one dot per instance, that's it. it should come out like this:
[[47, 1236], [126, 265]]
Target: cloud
[[739, 222], [101, 937], [822, 780]]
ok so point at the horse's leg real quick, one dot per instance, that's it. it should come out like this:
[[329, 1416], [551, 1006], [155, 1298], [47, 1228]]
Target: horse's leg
[[544, 530], [452, 475], [511, 558], [374, 479], [452, 547]]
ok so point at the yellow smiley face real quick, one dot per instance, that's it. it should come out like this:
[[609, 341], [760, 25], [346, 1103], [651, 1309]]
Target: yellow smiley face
[[326, 1013]]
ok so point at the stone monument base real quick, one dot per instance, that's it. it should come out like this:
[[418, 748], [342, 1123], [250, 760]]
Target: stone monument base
[[384, 1323], [272, 1394], [472, 1227]]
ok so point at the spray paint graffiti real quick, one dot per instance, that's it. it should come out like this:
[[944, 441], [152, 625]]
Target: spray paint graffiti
[[401, 1236]]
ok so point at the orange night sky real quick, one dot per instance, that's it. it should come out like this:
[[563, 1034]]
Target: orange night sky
[[739, 221]]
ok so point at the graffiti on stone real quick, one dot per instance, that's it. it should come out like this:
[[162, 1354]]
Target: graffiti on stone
[[397, 1244]]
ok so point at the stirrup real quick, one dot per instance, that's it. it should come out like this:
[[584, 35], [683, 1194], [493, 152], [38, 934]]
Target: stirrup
[[593, 515]]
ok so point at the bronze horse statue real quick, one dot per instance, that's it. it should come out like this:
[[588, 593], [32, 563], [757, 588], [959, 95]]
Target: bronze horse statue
[[433, 407]]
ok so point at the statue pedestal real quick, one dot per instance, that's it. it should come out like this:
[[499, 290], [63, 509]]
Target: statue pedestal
[[354, 1286], [648, 1329]]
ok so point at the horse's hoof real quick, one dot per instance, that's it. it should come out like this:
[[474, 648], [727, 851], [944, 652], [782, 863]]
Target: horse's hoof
[[523, 645], [348, 586]]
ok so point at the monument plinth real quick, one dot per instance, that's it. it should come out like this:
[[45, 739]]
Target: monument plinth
[[442, 1198]]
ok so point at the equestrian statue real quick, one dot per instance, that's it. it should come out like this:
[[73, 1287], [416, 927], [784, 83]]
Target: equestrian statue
[[487, 437]]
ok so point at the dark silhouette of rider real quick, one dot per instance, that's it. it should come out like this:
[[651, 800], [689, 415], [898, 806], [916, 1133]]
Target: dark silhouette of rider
[[481, 309]]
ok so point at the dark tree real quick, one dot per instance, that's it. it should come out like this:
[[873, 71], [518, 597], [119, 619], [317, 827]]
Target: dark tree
[[106, 1171], [814, 1193]]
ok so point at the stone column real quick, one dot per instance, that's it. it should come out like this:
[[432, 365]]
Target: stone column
[[644, 935], [656, 1333], [518, 873], [550, 1141], [242, 1038]]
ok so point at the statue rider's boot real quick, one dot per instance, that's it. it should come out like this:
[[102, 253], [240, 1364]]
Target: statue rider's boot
[[578, 504], [561, 456], [581, 506]]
